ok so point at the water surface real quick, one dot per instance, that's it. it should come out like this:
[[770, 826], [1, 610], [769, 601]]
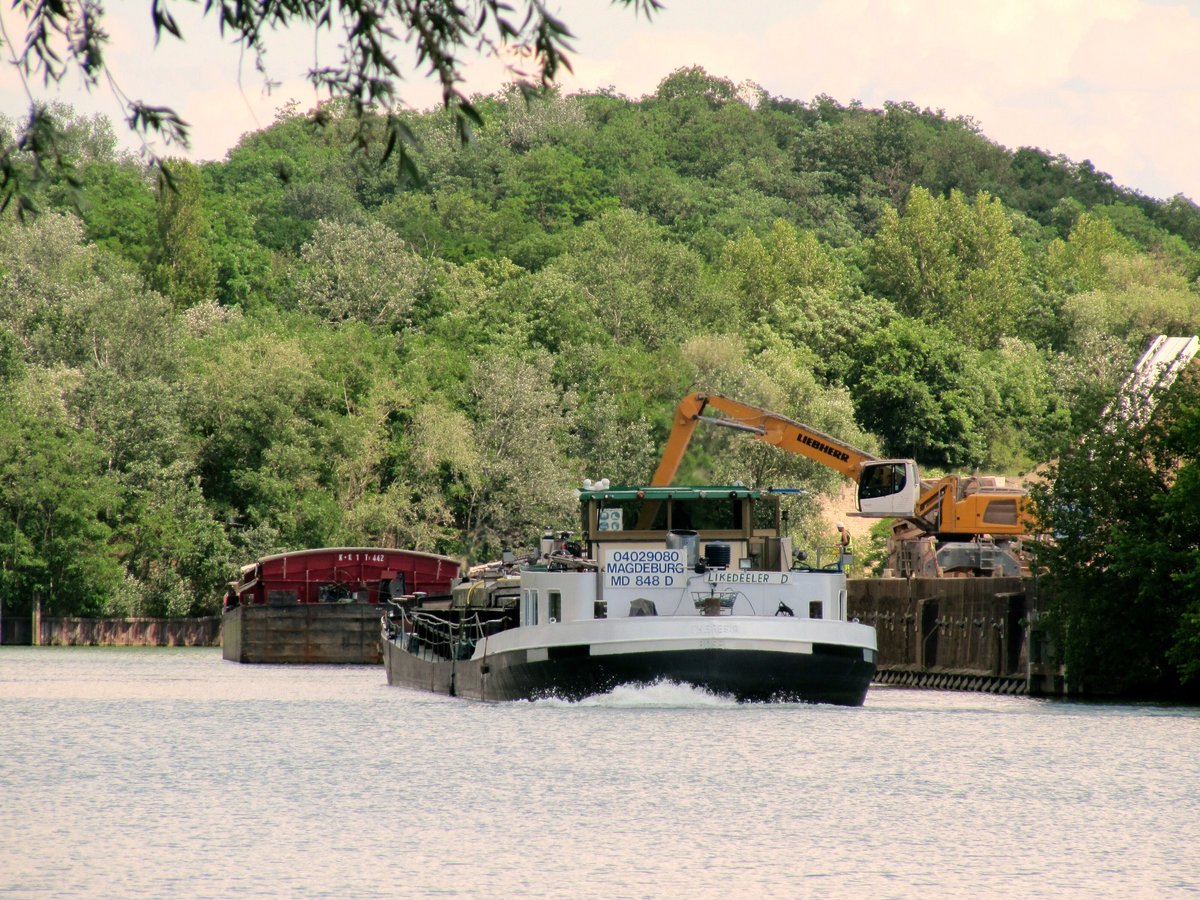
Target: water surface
[[173, 773]]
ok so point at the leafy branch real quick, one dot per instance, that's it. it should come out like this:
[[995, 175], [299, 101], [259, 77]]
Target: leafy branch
[[61, 36]]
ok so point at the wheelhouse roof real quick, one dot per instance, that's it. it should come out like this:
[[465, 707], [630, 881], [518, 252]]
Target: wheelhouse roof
[[675, 492]]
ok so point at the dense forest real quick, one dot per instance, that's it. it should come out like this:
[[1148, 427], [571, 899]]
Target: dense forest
[[301, 345]]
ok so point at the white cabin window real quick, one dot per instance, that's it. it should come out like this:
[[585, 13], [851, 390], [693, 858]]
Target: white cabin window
[[882, 480], [814, 609], [529, 607], [555, 606]]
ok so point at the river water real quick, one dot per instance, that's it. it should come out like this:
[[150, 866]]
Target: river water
[[172, 773]]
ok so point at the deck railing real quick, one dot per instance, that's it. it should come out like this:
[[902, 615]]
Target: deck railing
[[437, 636]]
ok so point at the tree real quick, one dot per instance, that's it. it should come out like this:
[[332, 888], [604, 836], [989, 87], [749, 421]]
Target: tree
[[914, 385], [537, 120], [1124, 560], [555, 188], [524, 479], [1181, 216], [243, 266], [61, 38], [56, 505], [68, 303], [614, 441], [399, 455], [119, 214], [693, 82], [182, 262], [135, 420], [641, 288], [1022, 417], [176, 554], [953, 262], [1081, 262], [363, 273], [41, 268], [264, 407], [789, 261], [793, 287]]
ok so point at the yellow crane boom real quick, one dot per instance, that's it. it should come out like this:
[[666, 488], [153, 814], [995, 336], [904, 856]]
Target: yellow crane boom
[[767, 426], [953, 507]]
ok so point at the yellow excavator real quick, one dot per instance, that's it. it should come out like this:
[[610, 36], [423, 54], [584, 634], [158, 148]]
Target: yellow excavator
[[968, 524], [956, 524]]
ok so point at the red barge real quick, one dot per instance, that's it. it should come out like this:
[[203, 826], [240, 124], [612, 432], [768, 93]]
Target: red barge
[[322, 605]]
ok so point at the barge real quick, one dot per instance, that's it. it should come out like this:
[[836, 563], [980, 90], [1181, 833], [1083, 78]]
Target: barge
[[322, 605], [695, 585]]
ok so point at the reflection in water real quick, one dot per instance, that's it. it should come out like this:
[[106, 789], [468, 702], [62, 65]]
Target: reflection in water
[[173, 773]]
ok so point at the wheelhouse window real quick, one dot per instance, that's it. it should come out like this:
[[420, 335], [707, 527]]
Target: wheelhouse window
[[639, 514], [765, 514], [716, 511], [555, 606], [706, 515]]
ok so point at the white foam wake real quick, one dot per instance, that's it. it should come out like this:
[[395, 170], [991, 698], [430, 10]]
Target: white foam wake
[[660, 695]]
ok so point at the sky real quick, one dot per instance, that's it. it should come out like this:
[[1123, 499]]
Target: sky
[[1112, 81]]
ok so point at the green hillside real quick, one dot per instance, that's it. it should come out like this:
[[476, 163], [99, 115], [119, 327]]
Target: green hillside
[[297, 347]]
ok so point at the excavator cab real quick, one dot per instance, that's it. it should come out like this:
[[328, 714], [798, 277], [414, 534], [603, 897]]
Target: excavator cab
[[888, 488]]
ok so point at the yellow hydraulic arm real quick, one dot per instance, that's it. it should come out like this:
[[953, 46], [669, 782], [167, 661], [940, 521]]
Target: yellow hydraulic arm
[[954, 505], [766, 426]]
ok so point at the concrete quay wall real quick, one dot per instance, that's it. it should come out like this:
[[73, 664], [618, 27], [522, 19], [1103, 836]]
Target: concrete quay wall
[[957, 633], [132, 632]]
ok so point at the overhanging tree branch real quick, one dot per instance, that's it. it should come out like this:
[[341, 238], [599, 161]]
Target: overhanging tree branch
[[62, 36]]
